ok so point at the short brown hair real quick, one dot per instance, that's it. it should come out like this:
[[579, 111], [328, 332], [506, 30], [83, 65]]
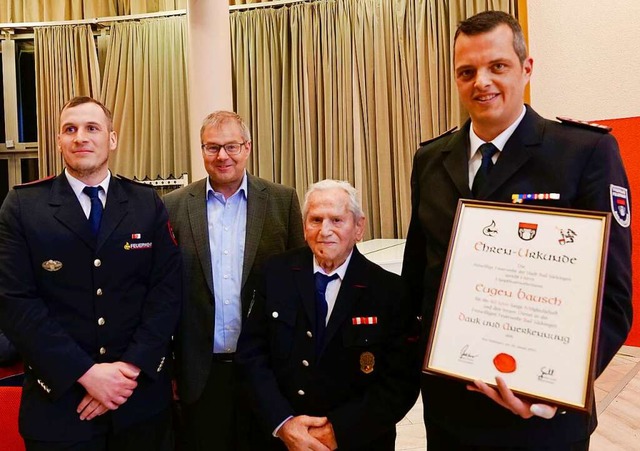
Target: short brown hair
[[217, 118], [84, 99], [487, 21]]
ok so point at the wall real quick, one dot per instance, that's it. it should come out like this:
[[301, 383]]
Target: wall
[[586, 58], [587, 66]]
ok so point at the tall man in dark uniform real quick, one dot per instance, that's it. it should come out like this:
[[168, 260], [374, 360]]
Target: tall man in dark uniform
[[324, 355], [527, 154], [90, 294], [226, 224]]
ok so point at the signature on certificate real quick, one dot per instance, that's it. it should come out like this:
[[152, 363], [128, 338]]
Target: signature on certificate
[[546, 374], [465, 354]]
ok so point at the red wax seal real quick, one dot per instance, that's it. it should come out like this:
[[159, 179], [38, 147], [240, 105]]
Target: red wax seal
[[504, 363]]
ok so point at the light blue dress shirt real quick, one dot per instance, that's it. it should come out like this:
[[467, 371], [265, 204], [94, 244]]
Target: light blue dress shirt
[[227, 222]]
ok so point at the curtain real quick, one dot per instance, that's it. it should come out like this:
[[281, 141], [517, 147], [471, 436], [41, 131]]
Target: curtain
[[66, 66], [347, 90], [340, 89], [385, 53], [293, 85], [150, 6], [247, 2], [55, 10], [145, 86]]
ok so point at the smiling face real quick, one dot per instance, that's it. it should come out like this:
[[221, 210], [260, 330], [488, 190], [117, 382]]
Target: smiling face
[[225, 171], [85, 140], [490, 79], [330, 227]]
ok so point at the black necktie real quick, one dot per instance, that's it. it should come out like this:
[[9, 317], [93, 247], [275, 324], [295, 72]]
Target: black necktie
[[321, 308], [95, 216], [487, 150]]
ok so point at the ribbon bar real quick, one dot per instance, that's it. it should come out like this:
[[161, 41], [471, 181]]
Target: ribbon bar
[[364, 320]]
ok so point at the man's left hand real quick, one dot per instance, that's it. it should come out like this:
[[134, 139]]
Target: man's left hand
[[505, 397], [89, 408], [325, 434]]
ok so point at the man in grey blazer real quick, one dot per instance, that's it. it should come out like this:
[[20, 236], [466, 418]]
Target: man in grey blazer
[[226, 225]]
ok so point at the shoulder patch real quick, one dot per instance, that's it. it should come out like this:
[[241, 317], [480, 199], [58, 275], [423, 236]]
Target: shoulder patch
[[448, 132], [584, 124], [620, 206], [36, 182]]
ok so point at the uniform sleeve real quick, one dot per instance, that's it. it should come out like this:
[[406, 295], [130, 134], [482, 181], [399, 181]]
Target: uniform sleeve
[[604, 172], [8, 352], [256, 375], [415, 259], [148, 349], [55, 358]]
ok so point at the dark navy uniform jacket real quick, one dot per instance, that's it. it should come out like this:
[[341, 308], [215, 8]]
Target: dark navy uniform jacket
[[69, 300], [364, 380], [542, 156]]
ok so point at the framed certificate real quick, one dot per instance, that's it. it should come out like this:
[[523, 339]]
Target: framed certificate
[[520, 298]]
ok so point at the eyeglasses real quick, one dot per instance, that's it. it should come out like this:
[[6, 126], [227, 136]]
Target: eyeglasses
[[231, 148]]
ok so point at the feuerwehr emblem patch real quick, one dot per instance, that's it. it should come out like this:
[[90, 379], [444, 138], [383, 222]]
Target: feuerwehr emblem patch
[[620, 205], [367, 362], [52, 265]]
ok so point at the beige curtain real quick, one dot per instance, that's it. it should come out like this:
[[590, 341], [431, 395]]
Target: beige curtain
[[347, 90], [145, 85], [66, 66], [293, 83], [150, 6], [385, 50], [407, 91], [55, 10], [247, 2]]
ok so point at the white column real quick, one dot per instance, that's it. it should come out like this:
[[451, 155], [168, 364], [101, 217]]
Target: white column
[[210, 86]]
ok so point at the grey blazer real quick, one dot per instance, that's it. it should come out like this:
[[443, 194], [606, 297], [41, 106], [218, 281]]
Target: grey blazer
[[274, 225]]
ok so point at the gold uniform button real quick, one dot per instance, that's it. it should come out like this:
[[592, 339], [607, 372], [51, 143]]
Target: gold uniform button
[[309, 334], [99, 291], [101, 321], [103, 351], [301, 392], [305, 363], [97, 263]]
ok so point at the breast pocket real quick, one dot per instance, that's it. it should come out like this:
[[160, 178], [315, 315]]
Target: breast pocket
[[363, 346], [362, 336], [282, 326], [133, 250]]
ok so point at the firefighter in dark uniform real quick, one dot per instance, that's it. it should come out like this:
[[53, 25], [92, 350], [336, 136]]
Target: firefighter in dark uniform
[[90, 295]]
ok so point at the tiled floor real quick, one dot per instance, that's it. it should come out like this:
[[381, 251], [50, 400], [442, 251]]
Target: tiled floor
[[617, 393]]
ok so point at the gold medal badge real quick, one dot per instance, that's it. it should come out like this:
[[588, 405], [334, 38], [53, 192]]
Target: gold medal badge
[[52, 265], [367, 362]]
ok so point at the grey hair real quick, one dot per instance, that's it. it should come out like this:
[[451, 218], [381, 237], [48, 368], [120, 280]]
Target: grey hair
[[218, 118], [329, 184]]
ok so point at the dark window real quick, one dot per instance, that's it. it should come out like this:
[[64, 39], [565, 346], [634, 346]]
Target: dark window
[[4, 179], [26, 75], [28, 169]]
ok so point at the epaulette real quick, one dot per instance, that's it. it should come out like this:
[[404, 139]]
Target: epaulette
[[448, 132], [584, 124], [35, 182]]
